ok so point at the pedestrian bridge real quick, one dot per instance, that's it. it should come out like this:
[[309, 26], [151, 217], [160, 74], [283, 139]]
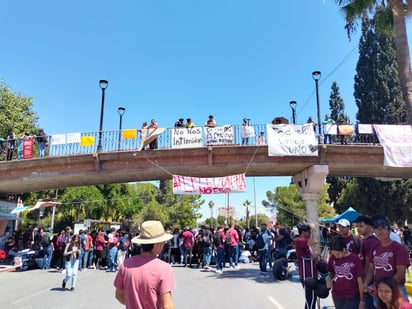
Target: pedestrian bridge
[[120, 162], [129, 166]]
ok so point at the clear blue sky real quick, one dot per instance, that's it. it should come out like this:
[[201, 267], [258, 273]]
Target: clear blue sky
[[171, 59]]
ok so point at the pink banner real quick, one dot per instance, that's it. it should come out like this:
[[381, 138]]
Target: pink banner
[[211, 185]]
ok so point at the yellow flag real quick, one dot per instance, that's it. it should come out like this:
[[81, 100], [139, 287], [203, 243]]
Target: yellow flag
[[87, 141], [129, 133]]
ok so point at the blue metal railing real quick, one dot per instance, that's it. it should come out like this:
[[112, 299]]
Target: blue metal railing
[[69, 144]]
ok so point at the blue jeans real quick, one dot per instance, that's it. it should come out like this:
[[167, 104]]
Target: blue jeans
[[91, 255], [42, 148], [48, 252], [233, 255], [71, 271], [85, 258], [341, 303], [220, 258], [113, 259], [81, 259], [207, 255], [263, 254]]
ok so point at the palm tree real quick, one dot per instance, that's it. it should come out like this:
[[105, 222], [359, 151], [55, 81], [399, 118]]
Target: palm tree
[[211, 204], [247, 203], [396, 21]]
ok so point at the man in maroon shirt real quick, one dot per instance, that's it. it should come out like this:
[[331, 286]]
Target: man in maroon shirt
[[388, 258], [188, 241], [368, 242], [306, 263], [352, 242]]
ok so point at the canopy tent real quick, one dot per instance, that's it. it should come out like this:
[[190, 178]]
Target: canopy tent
[[349, 214], [41, 204]]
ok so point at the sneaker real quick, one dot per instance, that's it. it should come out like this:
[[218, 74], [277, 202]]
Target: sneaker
[[237, 267], [72, 289], [219, 271], [63, 284]]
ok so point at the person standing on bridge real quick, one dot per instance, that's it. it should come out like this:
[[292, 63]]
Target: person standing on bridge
[[211, 122], [145, 281]]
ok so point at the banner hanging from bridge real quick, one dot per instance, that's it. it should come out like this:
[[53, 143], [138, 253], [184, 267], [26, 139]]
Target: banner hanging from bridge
[[210, 185], [291, 140], [222, 135], [187, 137], [396, 141]]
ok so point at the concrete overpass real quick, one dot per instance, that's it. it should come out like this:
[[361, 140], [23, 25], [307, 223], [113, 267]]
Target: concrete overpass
[[129, 166]]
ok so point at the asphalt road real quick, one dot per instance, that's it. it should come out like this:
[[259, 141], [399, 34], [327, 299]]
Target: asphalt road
[[244, 288]]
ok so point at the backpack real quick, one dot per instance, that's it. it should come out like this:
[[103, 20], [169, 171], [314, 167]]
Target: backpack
[[206, 238], [217, 239], [124, 244], [228, 238], [45, 241], [260, 242]]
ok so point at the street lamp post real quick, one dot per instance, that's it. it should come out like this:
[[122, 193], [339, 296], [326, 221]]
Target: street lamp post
[[103, 85], [316, 76], [293, 107], [121, 111]]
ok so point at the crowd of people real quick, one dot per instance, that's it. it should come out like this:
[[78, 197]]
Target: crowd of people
[[362, 265], [366, 262]]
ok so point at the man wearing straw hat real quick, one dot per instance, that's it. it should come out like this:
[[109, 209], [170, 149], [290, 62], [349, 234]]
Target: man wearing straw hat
[[144, 281]]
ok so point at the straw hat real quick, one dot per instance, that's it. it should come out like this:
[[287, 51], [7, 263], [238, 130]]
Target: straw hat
[[151, 232]]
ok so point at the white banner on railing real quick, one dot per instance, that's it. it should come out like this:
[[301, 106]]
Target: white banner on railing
[[291, 140], [187, 137], [73, 138], [58, 139], [222, 135], [396, 141], [210, 185]]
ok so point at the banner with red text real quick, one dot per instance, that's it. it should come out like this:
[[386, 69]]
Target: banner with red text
[[210, 185], [396, 141], [291, 140]]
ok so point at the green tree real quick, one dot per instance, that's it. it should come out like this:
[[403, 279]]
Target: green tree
[[79, 203], [393, 20], [337, 113], [291, 207], [370, 196], [246, 204], [377, 88], [379, 100], [16, 113]]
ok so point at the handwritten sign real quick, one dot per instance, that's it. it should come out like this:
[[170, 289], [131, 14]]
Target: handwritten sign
[[187, 137], [291, 140], [397, 144], [210, 185], [222, 135]]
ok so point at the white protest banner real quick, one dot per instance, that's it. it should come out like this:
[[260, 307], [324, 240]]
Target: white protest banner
[[222, 135], [210, 185], [58, 139], [291, 140], [187, 137], [396, 141], [73, 138], [148, 135]]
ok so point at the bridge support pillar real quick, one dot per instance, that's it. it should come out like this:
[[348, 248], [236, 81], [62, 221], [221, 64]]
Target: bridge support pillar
[[310, 184]]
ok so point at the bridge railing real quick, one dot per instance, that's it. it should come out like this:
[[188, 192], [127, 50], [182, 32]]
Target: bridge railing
[[87, 142]]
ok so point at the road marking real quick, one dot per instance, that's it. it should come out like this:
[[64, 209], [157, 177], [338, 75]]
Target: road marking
[[275, 302]]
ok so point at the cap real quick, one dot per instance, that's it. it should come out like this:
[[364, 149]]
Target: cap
[[381, 222], [80, 231], [344, 222], [303, 227]]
